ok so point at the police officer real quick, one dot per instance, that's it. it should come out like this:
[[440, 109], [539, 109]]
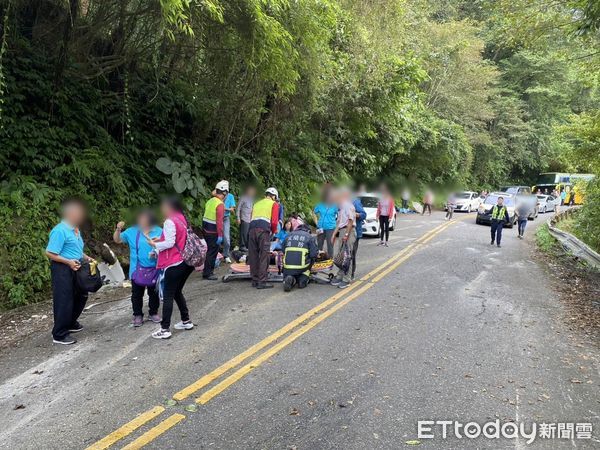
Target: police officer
[[499, 218], [300, 252], [265, 218], [212, 224]]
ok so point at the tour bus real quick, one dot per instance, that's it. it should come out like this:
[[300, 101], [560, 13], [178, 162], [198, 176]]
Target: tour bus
[[563, 181]]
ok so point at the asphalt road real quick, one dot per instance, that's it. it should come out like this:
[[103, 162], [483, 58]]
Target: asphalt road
[[442, 326]]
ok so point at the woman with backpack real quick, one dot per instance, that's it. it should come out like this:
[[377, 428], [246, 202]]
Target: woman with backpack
[[142, 264], [175, 271]]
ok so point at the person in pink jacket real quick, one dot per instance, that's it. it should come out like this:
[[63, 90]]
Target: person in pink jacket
[[385, 213], [175, 271]]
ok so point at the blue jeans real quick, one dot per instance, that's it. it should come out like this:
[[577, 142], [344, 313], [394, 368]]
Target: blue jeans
[[226, 236], [522, 225]]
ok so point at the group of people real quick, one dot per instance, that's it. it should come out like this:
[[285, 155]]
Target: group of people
[[157, 259]]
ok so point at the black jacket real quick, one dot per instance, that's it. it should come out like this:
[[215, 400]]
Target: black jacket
[[300, 252]]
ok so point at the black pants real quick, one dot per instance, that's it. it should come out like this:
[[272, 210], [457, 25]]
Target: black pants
[[326, 237], [68, 300], [354, 252], [449, 213], [426, 206], [496, 230], [212, 251], [137, 299], [404, 204], [175, 278], [384, 227], [259, 253], [244, 228], [301, 279]]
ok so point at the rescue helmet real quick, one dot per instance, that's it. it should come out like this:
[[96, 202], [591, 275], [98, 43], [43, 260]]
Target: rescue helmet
[[272, 191]]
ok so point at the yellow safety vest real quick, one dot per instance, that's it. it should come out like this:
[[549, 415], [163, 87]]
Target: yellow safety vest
[[498, 213], [262, 210], [210, 210]]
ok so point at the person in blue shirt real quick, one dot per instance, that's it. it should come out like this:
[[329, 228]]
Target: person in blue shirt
[[280, 236], [230, 204], [65, 251], [141, 254], [361, 215], [325, 217]]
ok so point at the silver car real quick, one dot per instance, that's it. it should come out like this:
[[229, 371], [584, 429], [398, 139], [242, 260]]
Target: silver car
[[547, 203]]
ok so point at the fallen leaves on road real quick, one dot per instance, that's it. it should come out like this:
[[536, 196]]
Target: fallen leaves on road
[[413, 442], [19, 407], [294, 412]]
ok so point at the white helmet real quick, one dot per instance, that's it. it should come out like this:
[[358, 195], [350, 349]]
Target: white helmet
[[223, 185], [273, 191]]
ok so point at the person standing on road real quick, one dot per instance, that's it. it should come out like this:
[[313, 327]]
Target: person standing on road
[[65, 251], [385, 212], [244, 216], [175, 271], [450, 205], [140, 256], [264, 223], [405, 200], [361, 216], [563, 196], [325, 216], [499, 218], [213, 227], [300, 253], [344, 234], [427, 202], [229, 204], [522, 210]]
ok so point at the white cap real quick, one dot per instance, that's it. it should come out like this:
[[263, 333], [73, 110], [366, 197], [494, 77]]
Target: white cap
[[272, 191], [223, 185]]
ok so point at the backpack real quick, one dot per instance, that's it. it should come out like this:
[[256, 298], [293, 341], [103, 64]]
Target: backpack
[[194, 250], [343, 259]]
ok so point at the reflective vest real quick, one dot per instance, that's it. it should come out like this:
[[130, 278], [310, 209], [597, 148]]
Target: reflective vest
[[295, 258], [210, 210], [498, 213], [262, 210]]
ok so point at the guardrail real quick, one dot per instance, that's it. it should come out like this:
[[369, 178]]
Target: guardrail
[[570, 242]]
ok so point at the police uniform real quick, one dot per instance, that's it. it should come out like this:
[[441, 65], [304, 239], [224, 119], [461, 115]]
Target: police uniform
[[300, 252], [499, 218]]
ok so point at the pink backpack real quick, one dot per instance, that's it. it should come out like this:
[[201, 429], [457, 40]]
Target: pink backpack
[[194, 250]]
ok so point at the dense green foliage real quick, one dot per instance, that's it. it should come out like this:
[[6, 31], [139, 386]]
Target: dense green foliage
[[119, 101]]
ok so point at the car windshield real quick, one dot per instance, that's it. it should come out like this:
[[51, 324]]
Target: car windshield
[[369, 202], [493, 199], [542, 197], [463, 195]]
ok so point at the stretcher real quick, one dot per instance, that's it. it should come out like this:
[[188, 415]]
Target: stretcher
[[241, 271]]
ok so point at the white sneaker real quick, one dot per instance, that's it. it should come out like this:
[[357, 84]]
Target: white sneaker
[[183, 325], [161, 334], [228, 260]]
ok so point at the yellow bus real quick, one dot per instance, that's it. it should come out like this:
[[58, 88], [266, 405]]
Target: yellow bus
[[572, 183]]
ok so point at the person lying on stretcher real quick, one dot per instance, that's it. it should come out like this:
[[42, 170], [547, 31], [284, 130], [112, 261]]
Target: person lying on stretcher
[[300, 251]]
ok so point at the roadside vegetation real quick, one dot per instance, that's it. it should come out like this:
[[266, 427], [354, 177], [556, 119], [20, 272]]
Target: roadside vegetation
[[119, 101]]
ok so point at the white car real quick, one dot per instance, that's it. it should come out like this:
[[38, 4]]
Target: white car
[[467, 201], [371, 224], [547, 203]]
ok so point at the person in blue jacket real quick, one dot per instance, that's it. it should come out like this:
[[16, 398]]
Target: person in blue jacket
[[361, 215]]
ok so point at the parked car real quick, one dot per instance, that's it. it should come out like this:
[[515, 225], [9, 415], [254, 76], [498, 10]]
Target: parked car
[[467, 201], [371, 224], [547, 203], [523, 193], [484, 212]]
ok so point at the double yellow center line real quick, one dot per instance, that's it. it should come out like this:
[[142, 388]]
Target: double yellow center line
[[293, 330]]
